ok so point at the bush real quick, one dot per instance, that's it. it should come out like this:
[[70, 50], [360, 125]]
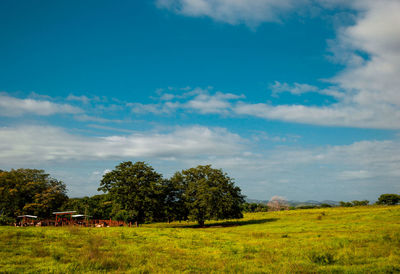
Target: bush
[[325, 205], [4, 220], [388, 199], [323, 258]]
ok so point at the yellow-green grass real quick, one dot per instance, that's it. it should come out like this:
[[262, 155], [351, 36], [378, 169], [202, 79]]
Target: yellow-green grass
[[333, 240]]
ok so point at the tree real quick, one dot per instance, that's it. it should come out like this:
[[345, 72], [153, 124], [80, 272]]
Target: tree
[[345, 204], [173, 203], [30, 191], [136, 188], [388, 199], [360, 203], [209, 194]]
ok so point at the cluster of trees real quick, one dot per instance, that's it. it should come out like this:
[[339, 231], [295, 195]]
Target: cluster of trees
[[200, 194], [384, 199], [30, 191], [354, 203], [135, 192], [255, 207]]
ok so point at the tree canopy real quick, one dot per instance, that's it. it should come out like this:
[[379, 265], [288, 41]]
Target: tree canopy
[[209, 194], [136, 188], [30, 191], [388, 199]]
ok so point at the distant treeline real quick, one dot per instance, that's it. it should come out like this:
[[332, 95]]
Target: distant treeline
[[134, 192]]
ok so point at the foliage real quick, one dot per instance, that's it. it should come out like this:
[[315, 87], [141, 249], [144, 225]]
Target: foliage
[[136, 188], [354, 203], [173, 206], [345, 204], [346, 240], [209, 194], [30, 191], [306, 206], [97, 206], [4, 220], [388, 199], [360, 203], [254, 207], [325, 205]]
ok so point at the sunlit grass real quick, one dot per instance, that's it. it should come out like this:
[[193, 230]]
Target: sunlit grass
[[352, 240]]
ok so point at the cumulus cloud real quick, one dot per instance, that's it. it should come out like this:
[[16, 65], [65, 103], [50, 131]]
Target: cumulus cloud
[[216, 103], [83, 99], [361, 170], [13, 107], [196, 100], [299, 89], [382, 117], [367, 89], [376, 33], [28, 144]]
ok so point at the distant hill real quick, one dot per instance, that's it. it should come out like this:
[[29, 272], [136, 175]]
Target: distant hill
[[296, 203], [250, 201]]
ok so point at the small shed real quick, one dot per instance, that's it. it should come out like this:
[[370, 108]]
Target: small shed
[[60, 215], [25, 218]]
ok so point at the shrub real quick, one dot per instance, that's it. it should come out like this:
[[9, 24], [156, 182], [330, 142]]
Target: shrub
[[324, 258], [4, 220]]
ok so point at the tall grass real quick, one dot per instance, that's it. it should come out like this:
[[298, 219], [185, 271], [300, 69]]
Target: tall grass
[[330, 240]]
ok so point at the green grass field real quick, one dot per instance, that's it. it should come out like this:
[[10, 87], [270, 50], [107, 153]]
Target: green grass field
[[333, 240]]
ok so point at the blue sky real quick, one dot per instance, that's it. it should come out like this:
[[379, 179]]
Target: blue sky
[[292, 98]]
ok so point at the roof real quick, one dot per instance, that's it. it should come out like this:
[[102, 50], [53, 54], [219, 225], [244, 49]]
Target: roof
[[80, 215], [64, 212], [28, 216]]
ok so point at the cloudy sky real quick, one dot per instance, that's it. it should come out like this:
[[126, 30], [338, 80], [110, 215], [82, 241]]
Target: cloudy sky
[[296, 98]]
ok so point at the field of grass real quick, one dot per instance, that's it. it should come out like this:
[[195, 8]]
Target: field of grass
[[333, 240]]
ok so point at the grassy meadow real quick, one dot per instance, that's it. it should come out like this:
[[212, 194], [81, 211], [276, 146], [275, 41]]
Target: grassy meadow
[[331, 240]]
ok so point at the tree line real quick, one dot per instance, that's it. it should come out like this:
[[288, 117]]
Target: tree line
[[135, 192]]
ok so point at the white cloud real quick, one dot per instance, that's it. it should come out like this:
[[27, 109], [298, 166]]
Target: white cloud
[[216, 103], [87, 118], [196, 100], [299, 89], [83, 99], [383, 116], [13, 107], [251, 13], [373, 80], [361, 170], [296, 88], [28, 144], [367, 89]]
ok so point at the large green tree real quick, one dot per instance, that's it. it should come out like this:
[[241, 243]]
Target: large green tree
[[30, 191], [137, 189], [209, 194]]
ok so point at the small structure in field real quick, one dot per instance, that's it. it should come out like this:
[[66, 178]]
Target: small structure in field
[[26, 220], [62, 217]]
